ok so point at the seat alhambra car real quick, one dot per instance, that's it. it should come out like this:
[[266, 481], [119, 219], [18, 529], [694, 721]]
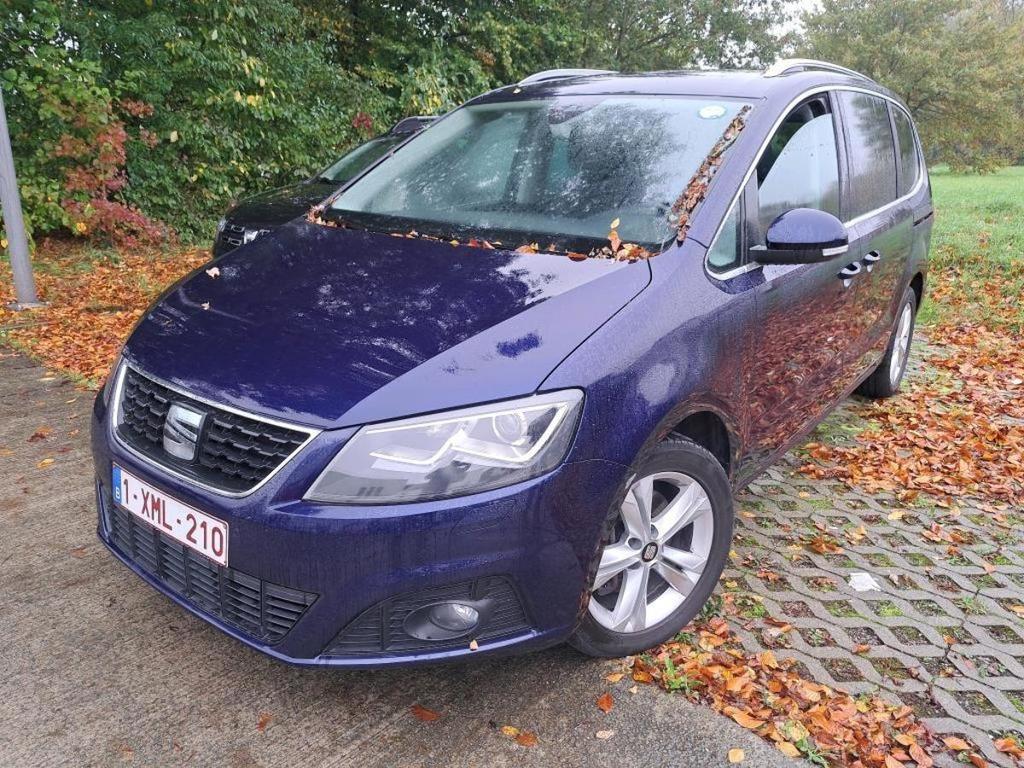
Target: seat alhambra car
[[498, 391], [261, 214]]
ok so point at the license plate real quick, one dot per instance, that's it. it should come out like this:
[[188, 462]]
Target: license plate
[[196, 530]]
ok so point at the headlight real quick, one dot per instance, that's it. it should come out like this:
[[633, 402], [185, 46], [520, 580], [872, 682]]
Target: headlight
[[453, 453], [220, 227], [111, 382], [253, 234]]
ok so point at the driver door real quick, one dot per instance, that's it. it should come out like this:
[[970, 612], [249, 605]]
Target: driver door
[[807, 316]]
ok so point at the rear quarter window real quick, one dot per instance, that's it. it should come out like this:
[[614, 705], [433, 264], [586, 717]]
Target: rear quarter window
[[872, 153], [910, 167]]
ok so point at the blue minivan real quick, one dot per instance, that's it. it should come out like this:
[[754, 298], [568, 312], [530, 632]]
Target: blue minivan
[[498, 392]]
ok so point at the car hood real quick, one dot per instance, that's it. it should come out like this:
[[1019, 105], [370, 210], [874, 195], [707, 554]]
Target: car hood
[[331, 327], [279, 206]]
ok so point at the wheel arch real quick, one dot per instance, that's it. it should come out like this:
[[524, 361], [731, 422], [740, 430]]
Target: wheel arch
[[917, 284]]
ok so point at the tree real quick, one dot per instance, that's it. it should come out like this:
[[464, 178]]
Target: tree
[[671, 34], [958, 65]]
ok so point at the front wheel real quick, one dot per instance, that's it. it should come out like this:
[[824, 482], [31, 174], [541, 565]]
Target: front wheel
[[886, 379], [664, 548]]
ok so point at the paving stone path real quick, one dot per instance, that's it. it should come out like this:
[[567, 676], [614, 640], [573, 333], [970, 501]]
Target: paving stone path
[[941, 627]]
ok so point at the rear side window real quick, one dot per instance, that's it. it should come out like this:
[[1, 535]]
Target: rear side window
[[872, 154], [910, 168]]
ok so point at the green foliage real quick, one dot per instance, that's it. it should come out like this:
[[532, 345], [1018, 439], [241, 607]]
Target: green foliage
[[958, 64], [174, 109]]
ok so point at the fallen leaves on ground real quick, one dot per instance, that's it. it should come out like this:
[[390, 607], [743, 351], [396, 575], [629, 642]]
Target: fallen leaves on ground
[[736, 755], [605, 703], [955, 430], [92, 303], [263, 721], [766, 695]]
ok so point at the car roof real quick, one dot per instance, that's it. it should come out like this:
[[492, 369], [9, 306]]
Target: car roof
[[771, 84]]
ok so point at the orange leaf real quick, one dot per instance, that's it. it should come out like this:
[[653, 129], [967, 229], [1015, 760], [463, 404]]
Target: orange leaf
[[743, 718], [605, 703], [424, 714], [955, 743], [892, 762], [977, 760], [861, 648], [263, 721], [1009, 745], [526, 739], [788, 749], [920, 756]]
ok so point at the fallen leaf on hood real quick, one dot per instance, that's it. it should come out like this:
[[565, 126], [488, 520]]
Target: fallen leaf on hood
[[213, 272]]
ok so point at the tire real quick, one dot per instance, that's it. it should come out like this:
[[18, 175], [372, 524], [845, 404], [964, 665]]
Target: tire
[[676, 470], [887, 377]]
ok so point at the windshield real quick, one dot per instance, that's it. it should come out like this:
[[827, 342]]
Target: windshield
[[360, 158], [554, 170]]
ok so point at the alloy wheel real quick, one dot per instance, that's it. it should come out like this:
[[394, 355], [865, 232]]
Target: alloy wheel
[[901, 344], [656, 552]]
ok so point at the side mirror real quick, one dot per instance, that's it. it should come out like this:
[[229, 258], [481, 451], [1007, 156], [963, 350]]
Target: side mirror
[[802, 236]]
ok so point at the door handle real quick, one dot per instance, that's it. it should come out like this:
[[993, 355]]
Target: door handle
[[850, 271], [872, 258]]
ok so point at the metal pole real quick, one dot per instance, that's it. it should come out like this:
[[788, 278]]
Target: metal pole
[[17, 242]]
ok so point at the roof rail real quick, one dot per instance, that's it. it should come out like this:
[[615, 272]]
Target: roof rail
[[788, 66], [556, 74]]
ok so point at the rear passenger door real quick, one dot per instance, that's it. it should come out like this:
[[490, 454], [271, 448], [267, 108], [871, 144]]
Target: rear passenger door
[[879, 220]]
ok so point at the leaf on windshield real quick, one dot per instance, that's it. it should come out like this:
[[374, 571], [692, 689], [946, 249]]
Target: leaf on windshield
[[690, 199]]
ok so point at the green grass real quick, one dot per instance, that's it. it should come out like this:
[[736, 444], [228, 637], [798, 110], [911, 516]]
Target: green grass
[[978, 235]]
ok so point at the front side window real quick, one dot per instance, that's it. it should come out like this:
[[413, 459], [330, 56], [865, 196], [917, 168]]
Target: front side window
[[800, 168], [872, 155], [910, 168], [550, 170]]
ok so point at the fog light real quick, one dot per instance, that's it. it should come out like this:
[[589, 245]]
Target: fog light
[[446, 621], [454, 617]]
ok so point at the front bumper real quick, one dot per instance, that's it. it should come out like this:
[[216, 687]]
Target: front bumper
[[532, 543]]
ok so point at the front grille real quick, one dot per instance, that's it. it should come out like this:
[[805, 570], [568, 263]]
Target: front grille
[[380, 630], [260, 609], [234, 453]]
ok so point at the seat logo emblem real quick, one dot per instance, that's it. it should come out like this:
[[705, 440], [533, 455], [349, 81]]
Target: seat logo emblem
[[649, 552], [182, 428]]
